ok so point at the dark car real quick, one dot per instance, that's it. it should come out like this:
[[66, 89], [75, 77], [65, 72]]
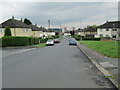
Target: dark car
[[56, 40]]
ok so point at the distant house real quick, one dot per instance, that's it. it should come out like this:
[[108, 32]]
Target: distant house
[[17, 28], [37, 32], [109, 29], [67, 32], [89, 32], [53, 31]]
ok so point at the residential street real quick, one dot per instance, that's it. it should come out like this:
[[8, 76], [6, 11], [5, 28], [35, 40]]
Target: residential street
[[58, 66]]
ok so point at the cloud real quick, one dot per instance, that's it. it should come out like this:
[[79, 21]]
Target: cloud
[[61, 13]]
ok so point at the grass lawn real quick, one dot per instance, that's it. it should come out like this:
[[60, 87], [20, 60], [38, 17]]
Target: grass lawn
[[41, 45], [107, 48]]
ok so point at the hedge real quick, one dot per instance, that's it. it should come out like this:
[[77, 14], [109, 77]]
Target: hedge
[[18, 41], [91, 38], [43, 40], [78, 37]]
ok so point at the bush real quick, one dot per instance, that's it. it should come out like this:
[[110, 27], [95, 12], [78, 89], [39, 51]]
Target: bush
[[21, 41], [7, 31], [91, 38], [18, 41], [31, 41], [43, 40], [36, 40], [7, 41]]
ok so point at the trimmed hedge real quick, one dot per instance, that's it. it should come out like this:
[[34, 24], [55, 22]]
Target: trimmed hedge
[[43, 40], [78, 37], [18, 41], [91, 38]]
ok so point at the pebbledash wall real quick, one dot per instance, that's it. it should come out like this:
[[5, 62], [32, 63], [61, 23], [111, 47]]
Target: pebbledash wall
[[21, 32], [109, 32]]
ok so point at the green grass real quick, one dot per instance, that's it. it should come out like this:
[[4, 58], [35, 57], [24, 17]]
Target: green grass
[[41, 45], [107, 48]]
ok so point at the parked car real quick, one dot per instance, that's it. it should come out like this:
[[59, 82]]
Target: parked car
[[50, 42], [72, 41], [56, 40]]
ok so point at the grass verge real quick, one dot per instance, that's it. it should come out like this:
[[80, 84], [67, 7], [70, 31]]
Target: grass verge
[[107, 48], [41, 45]]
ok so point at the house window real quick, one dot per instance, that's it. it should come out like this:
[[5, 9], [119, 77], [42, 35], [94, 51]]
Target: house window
[[1, 30], [26, 30], [23, 30], [114, 29], [107, 29], [114, 36], [101, 35]]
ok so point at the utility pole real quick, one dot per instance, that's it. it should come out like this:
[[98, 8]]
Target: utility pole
[[48, 24]]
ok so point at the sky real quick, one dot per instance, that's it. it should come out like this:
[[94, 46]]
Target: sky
[[64, 14]]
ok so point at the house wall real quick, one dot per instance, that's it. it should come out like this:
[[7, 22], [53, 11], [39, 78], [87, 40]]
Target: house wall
[[18, 32], [110, 32], [1, 32]]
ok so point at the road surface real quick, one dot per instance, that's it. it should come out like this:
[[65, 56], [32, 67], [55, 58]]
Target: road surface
[[58, 66]]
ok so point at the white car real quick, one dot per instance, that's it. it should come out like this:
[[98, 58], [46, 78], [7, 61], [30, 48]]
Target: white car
[[50, 42]]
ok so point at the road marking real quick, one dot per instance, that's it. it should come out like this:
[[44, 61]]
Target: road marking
[[25, 50]]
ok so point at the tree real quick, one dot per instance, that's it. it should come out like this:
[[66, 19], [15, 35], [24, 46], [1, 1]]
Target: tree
[[27, 21], [7, 32], [72, 32], [94, 26]]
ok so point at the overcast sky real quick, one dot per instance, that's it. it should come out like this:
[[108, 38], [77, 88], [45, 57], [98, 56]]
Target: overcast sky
[[66, 14]]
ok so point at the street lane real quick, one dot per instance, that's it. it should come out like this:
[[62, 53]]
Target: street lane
[[59, 66]]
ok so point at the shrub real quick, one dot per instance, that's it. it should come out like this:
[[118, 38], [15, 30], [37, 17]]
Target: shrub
[[7, 32], [91, 38], [31, 41], [36, 40], [7, 41], [43, 40], [21, 41], [18, 41]]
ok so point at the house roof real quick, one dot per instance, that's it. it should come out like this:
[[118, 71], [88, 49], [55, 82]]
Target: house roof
[[13, 23], [90, 29], [35, 28], [112, 24]]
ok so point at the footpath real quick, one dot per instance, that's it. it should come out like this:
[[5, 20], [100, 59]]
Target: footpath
[[108, 66]]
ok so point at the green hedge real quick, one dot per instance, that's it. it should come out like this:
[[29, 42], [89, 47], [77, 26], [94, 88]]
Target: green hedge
[[78, 37], [18, 41], [91, 38], [43, 40]]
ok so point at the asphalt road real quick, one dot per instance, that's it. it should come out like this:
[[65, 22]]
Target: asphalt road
[[58, 66]]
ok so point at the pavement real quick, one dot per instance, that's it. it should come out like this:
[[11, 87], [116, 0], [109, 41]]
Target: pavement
[[108, 66], [58, 66]]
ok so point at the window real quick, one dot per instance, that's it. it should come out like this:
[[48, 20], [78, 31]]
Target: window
[[1, 30], [107, 29], [107, 35], [23, 30], [27, 30], [114, 29], [114, 36], [101, 35]]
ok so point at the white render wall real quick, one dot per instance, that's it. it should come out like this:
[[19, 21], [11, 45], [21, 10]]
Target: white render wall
[[110, 33]]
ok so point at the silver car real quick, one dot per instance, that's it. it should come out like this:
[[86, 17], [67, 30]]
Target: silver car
[[50, 42]]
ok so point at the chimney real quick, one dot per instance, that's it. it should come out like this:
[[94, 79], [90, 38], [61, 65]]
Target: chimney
[[21, 20], [12, 17]]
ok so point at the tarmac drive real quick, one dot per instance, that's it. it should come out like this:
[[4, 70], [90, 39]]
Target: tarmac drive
[[58, 66]]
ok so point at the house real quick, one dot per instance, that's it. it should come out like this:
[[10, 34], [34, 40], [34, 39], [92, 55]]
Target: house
[[109, 29], [37, 32], [17, 28], [53, 31], [90, 31], [67, 32]]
